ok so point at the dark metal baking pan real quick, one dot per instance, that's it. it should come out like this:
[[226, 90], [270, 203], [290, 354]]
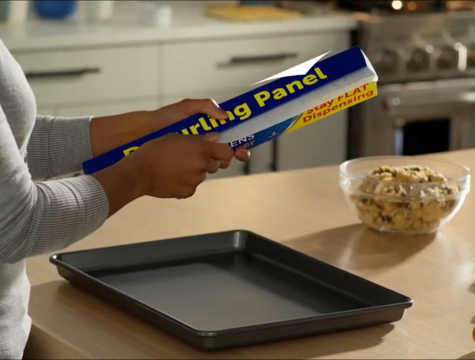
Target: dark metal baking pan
[[230, 289]]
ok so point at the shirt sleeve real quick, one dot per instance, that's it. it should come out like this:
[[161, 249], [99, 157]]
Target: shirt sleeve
[[58, 146], [38, 218]]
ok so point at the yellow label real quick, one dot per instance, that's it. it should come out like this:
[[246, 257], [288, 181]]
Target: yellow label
[[335, 105]]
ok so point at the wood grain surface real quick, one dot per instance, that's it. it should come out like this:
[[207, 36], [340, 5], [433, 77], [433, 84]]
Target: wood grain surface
[[307, 211]]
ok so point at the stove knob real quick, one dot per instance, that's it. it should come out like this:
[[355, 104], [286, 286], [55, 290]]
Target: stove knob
[[447, 59], [386, 61], [419, 61]]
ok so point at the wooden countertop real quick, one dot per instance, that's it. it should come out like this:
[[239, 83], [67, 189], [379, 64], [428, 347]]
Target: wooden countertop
[[307, 211]]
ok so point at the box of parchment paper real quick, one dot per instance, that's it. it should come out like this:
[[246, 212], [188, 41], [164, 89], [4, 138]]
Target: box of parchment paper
[[284, 103]]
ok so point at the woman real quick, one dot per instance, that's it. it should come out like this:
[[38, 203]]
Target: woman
[[41, 217]]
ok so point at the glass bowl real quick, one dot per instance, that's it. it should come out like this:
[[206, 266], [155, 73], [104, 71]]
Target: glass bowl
[[397, 194]]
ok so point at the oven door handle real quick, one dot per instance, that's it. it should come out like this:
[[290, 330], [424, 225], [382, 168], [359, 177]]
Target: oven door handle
[[394, 102]]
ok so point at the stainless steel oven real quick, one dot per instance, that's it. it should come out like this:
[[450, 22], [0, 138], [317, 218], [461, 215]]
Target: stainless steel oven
[[417, 118], [426, 88]]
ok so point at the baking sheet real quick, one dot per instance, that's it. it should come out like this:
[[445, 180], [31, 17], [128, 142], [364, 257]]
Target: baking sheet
[[229, 289]]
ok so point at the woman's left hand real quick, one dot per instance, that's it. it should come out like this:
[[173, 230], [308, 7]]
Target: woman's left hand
[[110, 132]]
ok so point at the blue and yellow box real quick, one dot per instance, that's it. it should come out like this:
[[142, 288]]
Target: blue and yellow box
[[286, 102]]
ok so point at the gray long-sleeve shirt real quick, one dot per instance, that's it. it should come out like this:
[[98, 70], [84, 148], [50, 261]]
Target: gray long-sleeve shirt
[[37, 217]]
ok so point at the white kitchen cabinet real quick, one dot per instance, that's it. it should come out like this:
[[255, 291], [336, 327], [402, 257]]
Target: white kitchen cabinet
[[77, 76], [236, 63], [319, 144]]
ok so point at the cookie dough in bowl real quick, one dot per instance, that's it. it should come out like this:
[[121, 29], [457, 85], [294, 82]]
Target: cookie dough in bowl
[[402, 194]]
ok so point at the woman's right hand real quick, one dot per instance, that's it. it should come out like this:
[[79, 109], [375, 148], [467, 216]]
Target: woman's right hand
[[174, 165]]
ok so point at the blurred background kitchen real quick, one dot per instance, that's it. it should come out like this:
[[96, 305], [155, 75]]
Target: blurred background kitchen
[[107, 57]]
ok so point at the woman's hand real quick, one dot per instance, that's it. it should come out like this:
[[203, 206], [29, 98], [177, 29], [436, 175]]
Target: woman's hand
[[173, 113], [172, 166], [175, 165], [110, 132]]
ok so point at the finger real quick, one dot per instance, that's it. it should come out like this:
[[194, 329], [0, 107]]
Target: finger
[[219, 151], [204, 106], [225, 164], [187, 192], [214, 166], [242, 155], [212, 137]]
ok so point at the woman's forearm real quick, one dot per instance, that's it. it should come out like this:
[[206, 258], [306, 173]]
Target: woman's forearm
[[122, 183], [109, 132], [59, 145]]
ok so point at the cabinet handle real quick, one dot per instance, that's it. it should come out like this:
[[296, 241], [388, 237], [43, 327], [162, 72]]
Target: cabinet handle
[[249, 60], [61, 74]]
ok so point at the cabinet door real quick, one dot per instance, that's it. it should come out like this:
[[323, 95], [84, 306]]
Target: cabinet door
[[93, 74], [319, 144], [212, 65]]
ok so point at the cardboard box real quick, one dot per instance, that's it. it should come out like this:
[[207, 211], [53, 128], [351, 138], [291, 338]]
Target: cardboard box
[[286, 102]]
